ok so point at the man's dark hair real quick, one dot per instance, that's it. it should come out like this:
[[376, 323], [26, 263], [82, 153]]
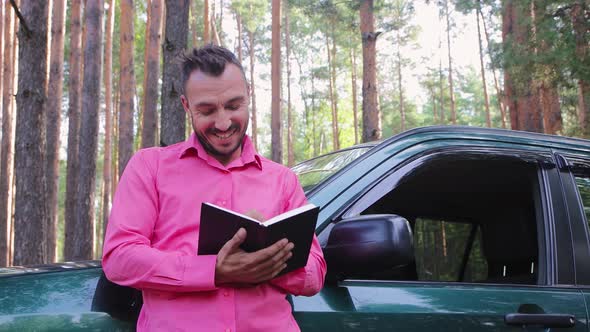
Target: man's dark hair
[[210, 59]]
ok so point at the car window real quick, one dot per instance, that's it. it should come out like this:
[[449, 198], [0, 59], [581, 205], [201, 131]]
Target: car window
[[583, 184], [312, 172], [440, 248], [474, 218]]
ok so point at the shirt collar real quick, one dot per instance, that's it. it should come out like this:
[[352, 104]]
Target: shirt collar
[[249, 154]]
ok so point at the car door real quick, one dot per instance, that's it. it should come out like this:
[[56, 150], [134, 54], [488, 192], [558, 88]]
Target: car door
[[480, 266], [575, 177]]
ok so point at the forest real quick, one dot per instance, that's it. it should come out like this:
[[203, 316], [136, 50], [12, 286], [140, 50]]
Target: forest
[[86, 83]]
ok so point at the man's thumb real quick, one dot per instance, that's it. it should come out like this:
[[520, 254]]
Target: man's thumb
[[237, 239]]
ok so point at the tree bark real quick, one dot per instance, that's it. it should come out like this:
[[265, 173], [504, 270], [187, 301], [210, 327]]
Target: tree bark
[[126, 84], [580, 25], [30, 218], [254, 125], [172, 122], [53, 111], [108, 110], [399, 82], [332, 96], [290, 152], [354, 94], [239, 25], [552, 121], [276, 118], [371, 114], [84, 222], [523, 100], [152, 73], [483, 70], [206, 22], [451, 92], [75, 101], [7, 150]]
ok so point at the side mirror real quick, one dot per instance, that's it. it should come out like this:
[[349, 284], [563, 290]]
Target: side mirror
[[369, 243]]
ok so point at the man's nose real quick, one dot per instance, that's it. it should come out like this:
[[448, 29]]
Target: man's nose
[[223, 121]]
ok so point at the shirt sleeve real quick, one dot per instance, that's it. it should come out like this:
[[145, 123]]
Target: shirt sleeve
[[128, 257], [307, 280]]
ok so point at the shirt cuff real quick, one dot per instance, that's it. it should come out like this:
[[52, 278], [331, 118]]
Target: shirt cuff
[[199, 272]]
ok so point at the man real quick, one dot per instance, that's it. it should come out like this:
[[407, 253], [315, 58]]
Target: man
[[152, 236]]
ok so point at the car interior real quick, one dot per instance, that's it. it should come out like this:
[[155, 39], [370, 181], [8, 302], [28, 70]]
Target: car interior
[[474, 219]]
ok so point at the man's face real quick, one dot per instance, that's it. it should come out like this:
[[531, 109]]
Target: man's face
[[218, 109]]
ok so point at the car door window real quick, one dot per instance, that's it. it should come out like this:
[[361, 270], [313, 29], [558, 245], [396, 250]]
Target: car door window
[[583, 184], [474, 217]]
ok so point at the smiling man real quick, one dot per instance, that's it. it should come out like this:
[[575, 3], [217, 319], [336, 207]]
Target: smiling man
[[152, 235]]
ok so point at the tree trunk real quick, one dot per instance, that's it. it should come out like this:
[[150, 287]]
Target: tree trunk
[[75, 101], [53, 111], [115, 154], [30, 217], [402, 112], [451, 92], [441, 86], [84, 221], [253, 91], [371, 114], [108, 110], [126, 84], [7, 150], [216, 39], [290, 152], [152, 73], [580, 32], [194, 11], [239, 24], [354, 93], [552, 121], [172, 122], [206, 22], [276, 118], [2, 14], [335, 129], [483, 70], [523, 101], [332, 96], [499, 93]]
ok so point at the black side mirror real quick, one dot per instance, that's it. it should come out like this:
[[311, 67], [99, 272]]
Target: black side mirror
[[369, 243]]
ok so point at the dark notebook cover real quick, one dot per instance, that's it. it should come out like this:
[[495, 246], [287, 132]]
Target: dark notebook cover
[[219, 225]]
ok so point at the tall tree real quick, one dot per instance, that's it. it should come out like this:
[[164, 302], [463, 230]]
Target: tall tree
[[30, 217], [108, 110], [276, 122], [522, 99], [371, 116], [206, 22], [450, 58], [483, 70], [74, 105], [7, 149], [151, 73], [290, 152], [579, 15], [126, 83], [354, 94], [173, 120], [84, 221], [53, 112]]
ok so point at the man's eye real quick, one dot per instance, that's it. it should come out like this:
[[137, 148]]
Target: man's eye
[[205, 111], [232, 107]]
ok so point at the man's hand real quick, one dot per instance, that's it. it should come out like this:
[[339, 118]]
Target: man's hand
[[239, 267]]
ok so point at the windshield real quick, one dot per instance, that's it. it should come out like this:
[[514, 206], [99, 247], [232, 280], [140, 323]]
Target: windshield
[[312, 172]]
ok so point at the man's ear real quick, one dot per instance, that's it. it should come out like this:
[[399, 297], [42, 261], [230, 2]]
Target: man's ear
[[185, 104]]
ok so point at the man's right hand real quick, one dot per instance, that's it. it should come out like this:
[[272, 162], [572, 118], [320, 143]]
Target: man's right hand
[[235, 266]]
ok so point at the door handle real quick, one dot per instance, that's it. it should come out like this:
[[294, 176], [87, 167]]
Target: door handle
[[546, 320]]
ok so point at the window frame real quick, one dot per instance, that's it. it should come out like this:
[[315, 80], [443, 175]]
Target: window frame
[[547, 243], [568, 164]]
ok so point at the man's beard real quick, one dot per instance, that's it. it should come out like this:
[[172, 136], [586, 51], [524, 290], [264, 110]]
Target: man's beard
[[212, 151]]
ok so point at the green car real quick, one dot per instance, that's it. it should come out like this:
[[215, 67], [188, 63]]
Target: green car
[[435, 229]]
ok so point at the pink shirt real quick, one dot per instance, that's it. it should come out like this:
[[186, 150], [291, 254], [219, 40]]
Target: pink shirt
[[152, 239]]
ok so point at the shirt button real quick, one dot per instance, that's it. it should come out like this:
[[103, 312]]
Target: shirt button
[[227, 330], [225, 293]]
